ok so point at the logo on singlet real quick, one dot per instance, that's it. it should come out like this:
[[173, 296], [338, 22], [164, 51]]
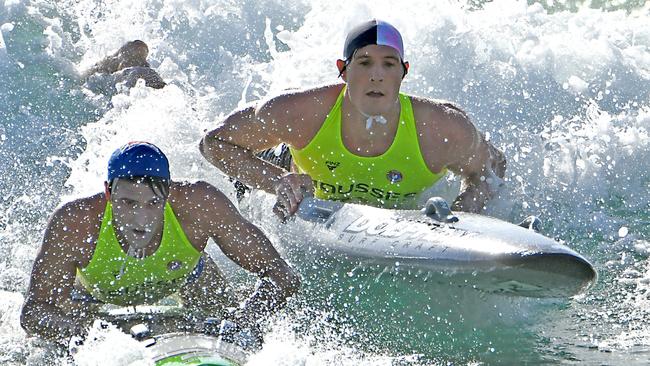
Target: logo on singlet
[[174, 265], [394, 176], [331, 165]]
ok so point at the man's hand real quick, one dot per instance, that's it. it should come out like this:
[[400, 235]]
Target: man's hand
[[290, 190], [497, 161], [478, 188], [248, 337]]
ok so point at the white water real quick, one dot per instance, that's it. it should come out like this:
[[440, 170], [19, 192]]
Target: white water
[[565, 94]]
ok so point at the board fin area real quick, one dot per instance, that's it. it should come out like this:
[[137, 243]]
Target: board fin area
[[532, 223]]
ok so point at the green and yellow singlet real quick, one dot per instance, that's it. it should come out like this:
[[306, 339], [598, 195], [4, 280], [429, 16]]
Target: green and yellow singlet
[[393, 179], [114, 277]]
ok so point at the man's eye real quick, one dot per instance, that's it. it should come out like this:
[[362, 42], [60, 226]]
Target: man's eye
[[129, 203]]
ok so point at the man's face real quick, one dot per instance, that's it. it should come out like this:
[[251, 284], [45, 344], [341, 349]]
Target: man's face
[[138, 211], [373, 79]]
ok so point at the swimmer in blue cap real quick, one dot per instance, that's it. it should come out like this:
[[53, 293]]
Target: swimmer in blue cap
[[142, 240], [361, 140]]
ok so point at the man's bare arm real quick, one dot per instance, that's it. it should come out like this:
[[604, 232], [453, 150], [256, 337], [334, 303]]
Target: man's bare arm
[[480, 164], [133, 53], [247, 246], [52, 279], [231, 148]]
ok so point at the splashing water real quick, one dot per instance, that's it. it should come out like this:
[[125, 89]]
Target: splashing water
[[564, 90]]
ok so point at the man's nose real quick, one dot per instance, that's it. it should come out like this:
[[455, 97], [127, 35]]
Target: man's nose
[[376, 76], [142, 217]]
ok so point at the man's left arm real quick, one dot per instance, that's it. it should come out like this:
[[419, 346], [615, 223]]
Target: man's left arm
[[480, 164], [246, 245]]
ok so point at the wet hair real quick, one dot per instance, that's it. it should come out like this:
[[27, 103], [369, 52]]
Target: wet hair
[[159, 186]]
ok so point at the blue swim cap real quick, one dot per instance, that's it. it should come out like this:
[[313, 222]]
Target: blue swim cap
[[373, 32], [138, 159]]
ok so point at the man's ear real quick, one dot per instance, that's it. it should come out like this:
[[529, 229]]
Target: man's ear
[[406, 68], [340, 64], [107, 191]]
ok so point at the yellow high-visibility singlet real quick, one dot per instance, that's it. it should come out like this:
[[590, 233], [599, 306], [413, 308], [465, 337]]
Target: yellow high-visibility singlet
[[393, 179], [114, 277]]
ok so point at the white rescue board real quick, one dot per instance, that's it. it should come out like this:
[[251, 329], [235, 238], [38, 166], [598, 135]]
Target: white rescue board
[[487, 253]]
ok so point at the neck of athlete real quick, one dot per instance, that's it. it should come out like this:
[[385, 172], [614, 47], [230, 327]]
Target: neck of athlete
[[368, 137]]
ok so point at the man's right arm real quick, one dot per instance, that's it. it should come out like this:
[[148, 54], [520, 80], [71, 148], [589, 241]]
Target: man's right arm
[[231, 147], [51, 283]]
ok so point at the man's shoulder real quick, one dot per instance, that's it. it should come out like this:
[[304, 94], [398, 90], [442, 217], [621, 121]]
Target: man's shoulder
[[75, 222], [443, 121], [194, 193], [437, 108], [199, 205], [298, 115], [300, 99], [81, 209], [331, 91]]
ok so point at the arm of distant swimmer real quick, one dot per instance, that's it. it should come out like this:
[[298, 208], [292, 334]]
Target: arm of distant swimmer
[[133, 53], [247, 246], [108, 65], [48, 310]]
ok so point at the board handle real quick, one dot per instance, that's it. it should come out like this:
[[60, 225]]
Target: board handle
[[438, 209], [317, 210]]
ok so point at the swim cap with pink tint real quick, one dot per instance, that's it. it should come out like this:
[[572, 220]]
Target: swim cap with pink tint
[[373, 32]]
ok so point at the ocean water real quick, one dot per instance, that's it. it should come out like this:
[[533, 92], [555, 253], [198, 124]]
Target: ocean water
[[563, 88]]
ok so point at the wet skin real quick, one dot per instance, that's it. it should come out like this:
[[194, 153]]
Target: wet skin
[[130, 64], [202, 211], [374, 76], [138, 213], [447, 138]]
